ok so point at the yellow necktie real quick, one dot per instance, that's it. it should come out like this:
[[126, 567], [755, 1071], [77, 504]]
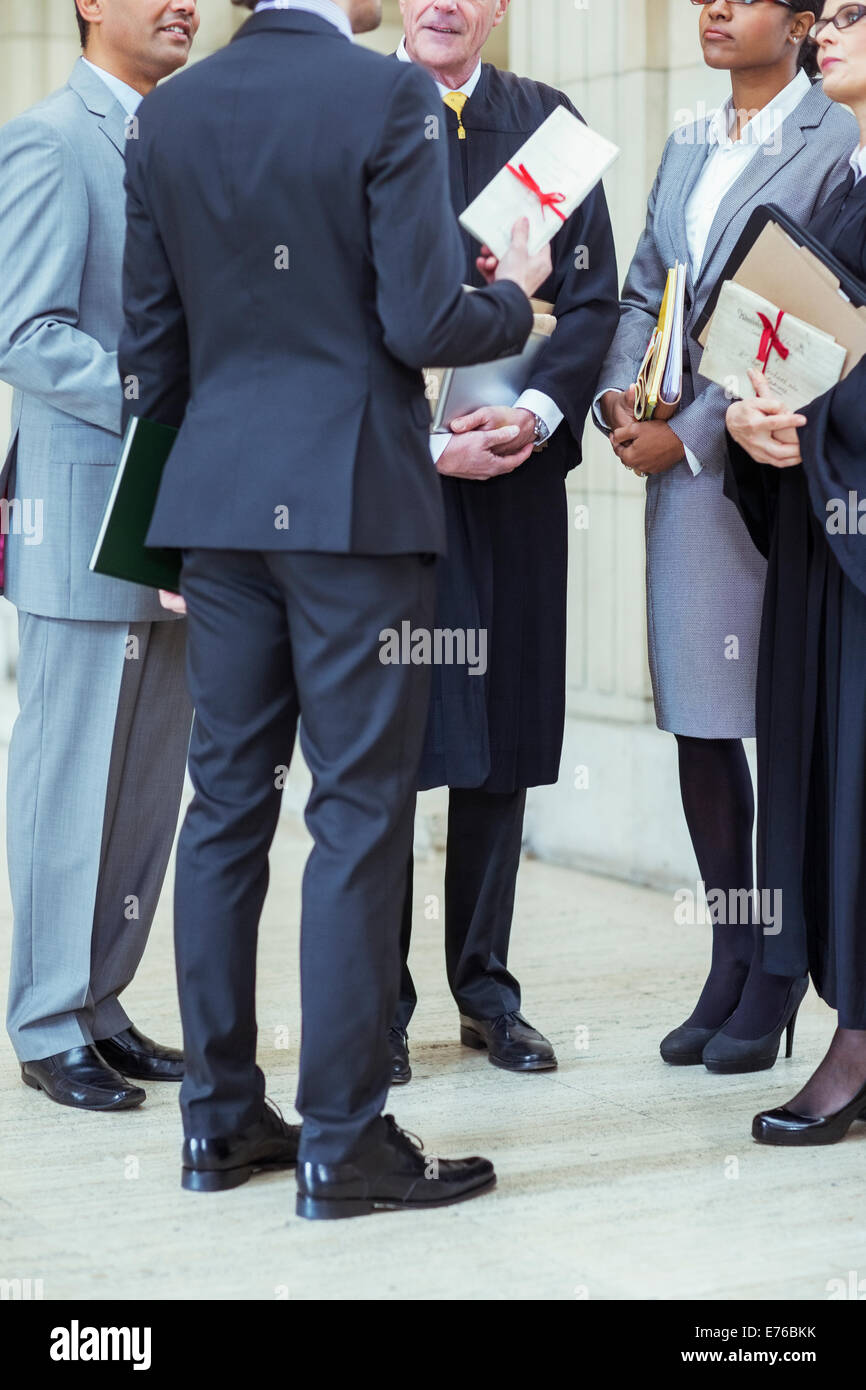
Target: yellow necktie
[[457, 101]]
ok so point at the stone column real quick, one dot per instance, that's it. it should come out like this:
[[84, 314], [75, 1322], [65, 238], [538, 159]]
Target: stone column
[[631, 67]]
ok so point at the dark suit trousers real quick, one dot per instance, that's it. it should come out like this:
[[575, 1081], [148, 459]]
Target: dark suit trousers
[[271, 637], [485, 831]]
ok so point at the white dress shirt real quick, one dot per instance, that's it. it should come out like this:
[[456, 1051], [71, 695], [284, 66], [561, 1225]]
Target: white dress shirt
[[128, 97], [729, 158], [325, 9], [726, 161], [534, 401], [858, 163]]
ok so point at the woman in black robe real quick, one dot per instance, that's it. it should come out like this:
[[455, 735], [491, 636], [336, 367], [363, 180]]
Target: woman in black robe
[[804, 514]]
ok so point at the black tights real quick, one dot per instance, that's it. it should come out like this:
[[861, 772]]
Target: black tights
[[719, 805]]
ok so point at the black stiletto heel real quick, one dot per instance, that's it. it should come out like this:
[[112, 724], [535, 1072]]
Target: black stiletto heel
[[789, 1041], [731, 1056]]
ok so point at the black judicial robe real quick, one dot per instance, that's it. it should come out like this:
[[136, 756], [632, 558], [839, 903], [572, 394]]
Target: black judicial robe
[[811, 709], [507, 563]]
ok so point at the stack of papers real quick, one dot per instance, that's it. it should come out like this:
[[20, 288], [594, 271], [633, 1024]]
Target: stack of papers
[[739, 339], [659, 385]]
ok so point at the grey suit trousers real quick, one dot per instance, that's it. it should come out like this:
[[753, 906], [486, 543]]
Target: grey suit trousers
[[96, 769]]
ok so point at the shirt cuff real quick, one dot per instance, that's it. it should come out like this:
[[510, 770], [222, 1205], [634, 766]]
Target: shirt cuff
[[694, 463], [598, 413], [542, 406], [438, 444]]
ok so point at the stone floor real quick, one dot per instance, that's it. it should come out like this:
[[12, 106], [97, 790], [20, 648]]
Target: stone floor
[[618, 1177]]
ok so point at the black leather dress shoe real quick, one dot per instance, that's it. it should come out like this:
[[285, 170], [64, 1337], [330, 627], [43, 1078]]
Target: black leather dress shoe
[[511, 1042], [398, 1043], [132, 1054], [82, 1079], [390, 1173], [787, 1129], [214, 1165]]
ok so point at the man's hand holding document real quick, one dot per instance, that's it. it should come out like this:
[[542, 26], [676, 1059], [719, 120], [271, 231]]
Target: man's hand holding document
[[539, 189], [546, 181]]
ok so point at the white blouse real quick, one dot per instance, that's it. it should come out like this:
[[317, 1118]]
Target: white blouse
[[728, 159]]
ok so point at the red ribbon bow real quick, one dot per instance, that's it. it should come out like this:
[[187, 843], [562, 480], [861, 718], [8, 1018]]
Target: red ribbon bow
[[770, 340], [547, 200]]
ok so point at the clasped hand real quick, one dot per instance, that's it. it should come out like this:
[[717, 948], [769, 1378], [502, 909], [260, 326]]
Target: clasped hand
[[494, 441], [645, 447], [765, 428], [488, 443]]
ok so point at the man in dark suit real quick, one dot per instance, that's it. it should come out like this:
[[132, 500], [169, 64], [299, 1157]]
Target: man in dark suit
[[506, 574], [288, 272]]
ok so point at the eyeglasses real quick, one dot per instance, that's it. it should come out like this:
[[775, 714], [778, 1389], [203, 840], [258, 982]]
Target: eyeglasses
[[843, 19], [786, 3]]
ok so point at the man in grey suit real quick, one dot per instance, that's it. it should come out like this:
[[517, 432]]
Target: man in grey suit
[[97, 757]]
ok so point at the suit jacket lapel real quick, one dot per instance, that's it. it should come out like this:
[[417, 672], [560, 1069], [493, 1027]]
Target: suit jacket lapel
[[765, 165], [850, 209], [100, 102], [114, 125], [681, 189]]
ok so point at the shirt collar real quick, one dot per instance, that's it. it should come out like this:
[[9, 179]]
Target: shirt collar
[[765, 123], [858, 163], [468, 87], [325, 9], [128, 97]]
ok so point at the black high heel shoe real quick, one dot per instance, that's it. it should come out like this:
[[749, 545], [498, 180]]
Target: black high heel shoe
[[786, 1128], [731, 1056], [684, 1047]]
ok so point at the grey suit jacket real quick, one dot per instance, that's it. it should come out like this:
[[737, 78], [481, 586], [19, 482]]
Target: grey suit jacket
[[62, 229], [824, 133]]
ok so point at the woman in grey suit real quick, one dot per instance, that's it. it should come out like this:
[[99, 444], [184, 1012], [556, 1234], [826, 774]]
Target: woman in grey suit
[[778, 139]]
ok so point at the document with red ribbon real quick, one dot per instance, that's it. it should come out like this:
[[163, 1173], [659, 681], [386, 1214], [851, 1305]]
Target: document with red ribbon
[[545, 180], [746, 331]]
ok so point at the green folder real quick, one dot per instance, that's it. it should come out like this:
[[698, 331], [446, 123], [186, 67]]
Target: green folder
[[120, 549]]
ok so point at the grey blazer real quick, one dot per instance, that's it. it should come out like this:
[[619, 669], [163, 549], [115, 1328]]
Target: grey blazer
[[705, 580], [62, 229]]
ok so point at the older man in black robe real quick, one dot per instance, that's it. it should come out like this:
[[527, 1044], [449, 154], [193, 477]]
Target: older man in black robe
[[491, 738]]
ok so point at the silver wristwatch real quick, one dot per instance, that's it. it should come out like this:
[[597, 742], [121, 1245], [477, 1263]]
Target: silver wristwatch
[[542, 434]]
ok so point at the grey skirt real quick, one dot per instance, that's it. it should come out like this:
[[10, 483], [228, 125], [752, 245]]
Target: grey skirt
[[705, 591]]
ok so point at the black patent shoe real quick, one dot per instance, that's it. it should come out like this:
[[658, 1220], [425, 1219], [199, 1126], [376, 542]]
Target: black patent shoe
[[82, 1079], [398, 1046], [787, 1129], [215, 1165], [389, 1173], [684, 1047], [132, 1054], [512, 1043], [732, 1056]]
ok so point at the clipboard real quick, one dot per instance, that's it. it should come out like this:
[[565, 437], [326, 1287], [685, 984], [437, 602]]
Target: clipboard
[[777, 258], [456, 391]]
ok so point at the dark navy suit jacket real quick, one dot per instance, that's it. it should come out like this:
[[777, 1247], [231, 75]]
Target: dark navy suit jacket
[[292, 262]]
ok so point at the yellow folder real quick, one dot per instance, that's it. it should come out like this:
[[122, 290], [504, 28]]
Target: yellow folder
[[659, 384]]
